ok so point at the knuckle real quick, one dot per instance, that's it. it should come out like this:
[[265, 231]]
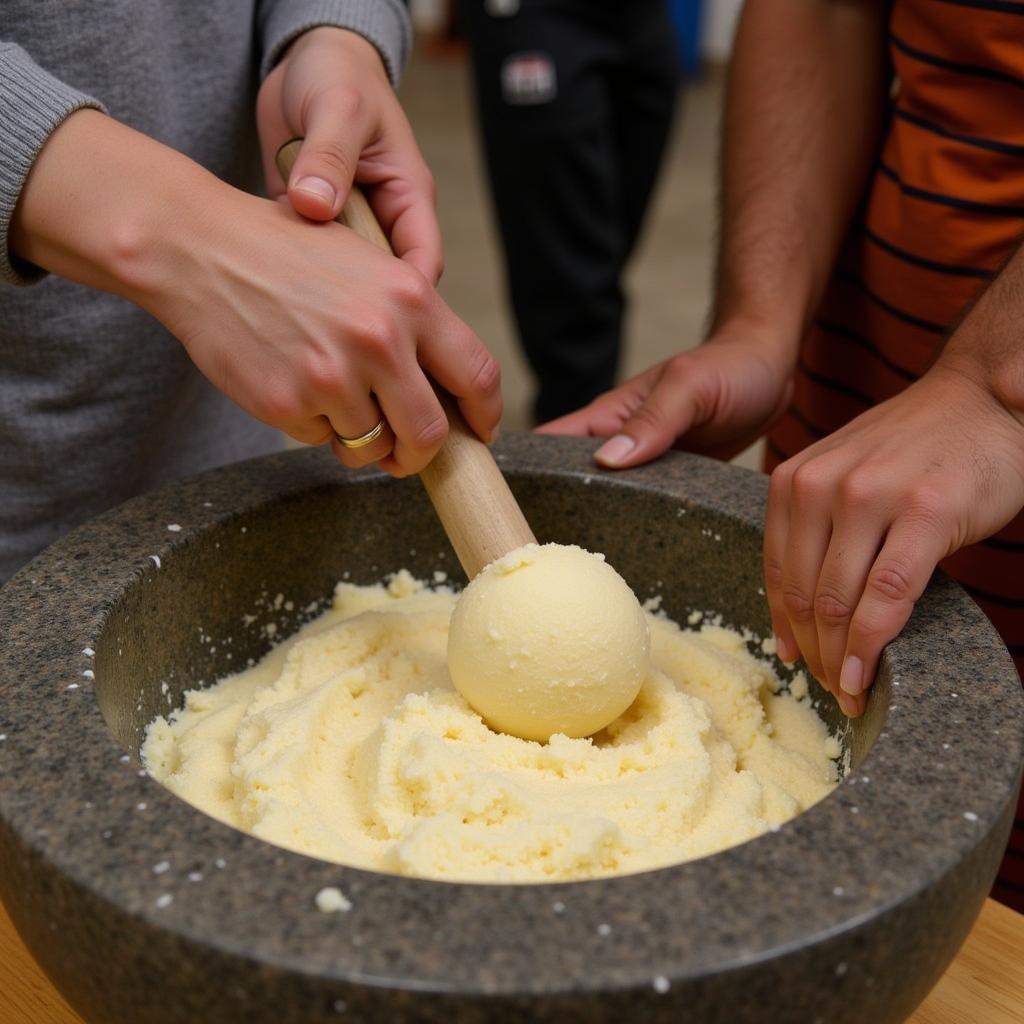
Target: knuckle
[[430, 431], [857, 489], [376, 338], [332, 154], [651, 417], [773, 573], [322, 374], [891, 580], [830, 607], [278, 406], [484, 372], [781, 479], [410, 289], [429, 184], [924, 508], [799, 607], [810, 481]]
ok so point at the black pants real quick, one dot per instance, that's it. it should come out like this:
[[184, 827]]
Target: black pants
[[575, 99]]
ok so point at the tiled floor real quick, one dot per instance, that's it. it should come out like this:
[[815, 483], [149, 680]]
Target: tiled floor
[[671, 274]]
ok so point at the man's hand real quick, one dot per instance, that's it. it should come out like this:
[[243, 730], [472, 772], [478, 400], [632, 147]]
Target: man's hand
[[331, 88], [715, 399], [857, 522]]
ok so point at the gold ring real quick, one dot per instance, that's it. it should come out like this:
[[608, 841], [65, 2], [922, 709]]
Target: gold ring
[[361, 442]]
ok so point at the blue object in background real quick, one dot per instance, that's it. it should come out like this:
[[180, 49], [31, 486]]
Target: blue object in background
[[688, 18]]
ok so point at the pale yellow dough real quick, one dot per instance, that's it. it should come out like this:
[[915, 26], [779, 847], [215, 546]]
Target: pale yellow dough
[[349, 743]]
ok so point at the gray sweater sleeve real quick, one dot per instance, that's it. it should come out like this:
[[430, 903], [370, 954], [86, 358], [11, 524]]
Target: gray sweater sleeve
[[32, 105], [385, 23]]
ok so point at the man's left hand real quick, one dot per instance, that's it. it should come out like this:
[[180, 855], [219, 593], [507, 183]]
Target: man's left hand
[[857, 522]]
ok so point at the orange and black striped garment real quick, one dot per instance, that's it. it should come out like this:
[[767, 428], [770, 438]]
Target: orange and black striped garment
[[944, 210]]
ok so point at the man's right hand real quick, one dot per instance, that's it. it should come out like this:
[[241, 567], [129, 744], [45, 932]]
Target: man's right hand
[[306, 326], [716, 399]]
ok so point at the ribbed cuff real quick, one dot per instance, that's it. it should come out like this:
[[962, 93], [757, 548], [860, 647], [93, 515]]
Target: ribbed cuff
[[384, 23], [33, 104]]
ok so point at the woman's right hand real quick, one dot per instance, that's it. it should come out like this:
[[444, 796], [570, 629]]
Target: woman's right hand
[[304, 325], [315, 331]]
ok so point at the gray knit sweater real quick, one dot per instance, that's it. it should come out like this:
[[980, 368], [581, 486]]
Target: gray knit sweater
[[97, 401]]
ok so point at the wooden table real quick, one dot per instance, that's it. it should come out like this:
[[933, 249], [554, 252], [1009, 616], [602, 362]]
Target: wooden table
[[984, 984]]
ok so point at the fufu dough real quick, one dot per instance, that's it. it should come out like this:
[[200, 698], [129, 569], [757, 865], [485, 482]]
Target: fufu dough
[[348, 742], [549, 639]]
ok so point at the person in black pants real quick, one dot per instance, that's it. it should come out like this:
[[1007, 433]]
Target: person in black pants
[[575, 99]]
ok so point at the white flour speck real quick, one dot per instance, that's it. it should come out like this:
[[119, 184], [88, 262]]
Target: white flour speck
[[970, 816], [604, 929], [331, 900], [838, 891], [88, 652], [660, 984], [72, 686], [141, 805], [174, 527], [156, 560], [841, 968], [558, 907], [164, 901], [159, 869], [221, 862], [89, 674], [195, 876]]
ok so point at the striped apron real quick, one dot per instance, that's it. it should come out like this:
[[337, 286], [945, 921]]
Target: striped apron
[[943, 211]]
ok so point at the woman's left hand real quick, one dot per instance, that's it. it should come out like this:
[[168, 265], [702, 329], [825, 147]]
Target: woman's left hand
[[331, 88]]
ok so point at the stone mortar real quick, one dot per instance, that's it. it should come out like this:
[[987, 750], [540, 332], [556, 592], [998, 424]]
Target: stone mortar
[[145, 911]]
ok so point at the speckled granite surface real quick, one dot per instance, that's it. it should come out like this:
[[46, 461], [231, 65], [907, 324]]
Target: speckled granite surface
[[144, 910]]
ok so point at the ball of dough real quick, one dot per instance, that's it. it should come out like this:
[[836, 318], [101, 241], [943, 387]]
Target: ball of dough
[[548, 639]]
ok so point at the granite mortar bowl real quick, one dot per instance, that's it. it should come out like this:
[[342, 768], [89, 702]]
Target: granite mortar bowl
[[142, 909]]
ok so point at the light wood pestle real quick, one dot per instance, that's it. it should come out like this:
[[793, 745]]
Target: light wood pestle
[[471, 497]]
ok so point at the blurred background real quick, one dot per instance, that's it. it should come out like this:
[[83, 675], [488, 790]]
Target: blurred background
[[669, 276]]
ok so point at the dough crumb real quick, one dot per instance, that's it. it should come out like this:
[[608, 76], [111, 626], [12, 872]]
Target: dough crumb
[[331, 900]]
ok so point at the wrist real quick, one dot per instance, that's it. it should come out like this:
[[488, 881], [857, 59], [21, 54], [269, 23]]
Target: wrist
[[357, 49], [100, 203], [773, 340]]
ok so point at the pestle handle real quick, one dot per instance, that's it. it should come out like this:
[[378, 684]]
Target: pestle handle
[[469, 493]]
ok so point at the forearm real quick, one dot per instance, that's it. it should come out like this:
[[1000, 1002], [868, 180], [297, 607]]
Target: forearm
[[988, 346], [103, 203], [805, 104]]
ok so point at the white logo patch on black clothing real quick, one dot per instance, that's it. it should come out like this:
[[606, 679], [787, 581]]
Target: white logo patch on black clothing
[[528, 79], [501, 8]]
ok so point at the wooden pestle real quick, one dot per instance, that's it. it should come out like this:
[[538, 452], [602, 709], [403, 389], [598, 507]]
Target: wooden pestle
[[471, 497]]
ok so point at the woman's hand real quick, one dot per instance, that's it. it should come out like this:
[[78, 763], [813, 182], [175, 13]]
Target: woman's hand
[[715, 399], [857, 522], [302, 323], [331, 88]]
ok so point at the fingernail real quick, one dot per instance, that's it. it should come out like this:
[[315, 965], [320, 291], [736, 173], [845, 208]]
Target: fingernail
[[614, 450], [851, 679], [848, 704], [784, 651], [317, 187]]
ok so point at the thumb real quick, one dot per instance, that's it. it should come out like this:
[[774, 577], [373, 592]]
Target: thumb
[[326, 165], [665, 414]]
